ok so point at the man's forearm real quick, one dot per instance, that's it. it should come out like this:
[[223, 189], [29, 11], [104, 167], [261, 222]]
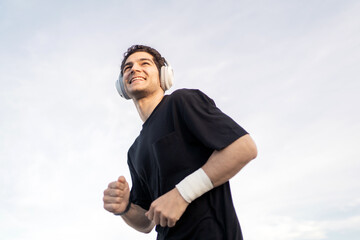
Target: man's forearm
[[136, 219], [223, 165], [220, 167]]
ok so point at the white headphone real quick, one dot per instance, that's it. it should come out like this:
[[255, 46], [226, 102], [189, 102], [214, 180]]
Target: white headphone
[[166, 80]]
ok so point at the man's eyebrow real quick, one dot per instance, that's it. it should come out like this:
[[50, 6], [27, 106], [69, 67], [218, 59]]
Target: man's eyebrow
[[126, 64], [147, 59], [141, 59]]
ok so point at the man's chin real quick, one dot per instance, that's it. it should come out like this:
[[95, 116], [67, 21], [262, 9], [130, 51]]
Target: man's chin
[[140, 93], [137, 93]]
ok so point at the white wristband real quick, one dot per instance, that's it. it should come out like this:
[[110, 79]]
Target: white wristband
[[194, 185]]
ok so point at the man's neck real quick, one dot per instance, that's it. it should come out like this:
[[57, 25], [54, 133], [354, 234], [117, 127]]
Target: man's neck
[[145, 106]]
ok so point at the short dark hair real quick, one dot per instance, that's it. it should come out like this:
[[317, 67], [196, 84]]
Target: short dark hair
[[158, 59]]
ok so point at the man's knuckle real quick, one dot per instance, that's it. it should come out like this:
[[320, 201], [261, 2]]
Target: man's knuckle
[[114, 206], [108, 207], [156, 211]]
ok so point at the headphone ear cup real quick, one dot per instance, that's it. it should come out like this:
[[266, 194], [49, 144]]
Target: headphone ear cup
[[166, 77], [119, 84]]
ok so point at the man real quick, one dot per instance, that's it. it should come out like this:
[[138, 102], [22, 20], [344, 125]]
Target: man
[[182, 160]]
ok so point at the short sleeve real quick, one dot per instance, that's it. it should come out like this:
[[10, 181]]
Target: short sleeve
[[205, 121]]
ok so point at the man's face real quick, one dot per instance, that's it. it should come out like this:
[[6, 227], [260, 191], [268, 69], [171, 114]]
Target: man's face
[[140, 75]]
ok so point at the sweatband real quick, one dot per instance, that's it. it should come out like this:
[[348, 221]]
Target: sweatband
[[194, 185]]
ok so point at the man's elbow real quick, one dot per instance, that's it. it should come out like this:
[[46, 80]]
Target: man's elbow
[[253, 152], [251, 149]]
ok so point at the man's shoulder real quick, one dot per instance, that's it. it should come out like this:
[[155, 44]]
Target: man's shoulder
[[186, 93]]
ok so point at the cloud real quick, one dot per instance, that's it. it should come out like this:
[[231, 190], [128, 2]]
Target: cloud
[[286, 71], [286, 228]]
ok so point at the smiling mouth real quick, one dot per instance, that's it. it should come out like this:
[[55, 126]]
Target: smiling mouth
[[134, 79]]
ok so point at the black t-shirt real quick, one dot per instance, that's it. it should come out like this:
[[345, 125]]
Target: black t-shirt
[[176, 140]]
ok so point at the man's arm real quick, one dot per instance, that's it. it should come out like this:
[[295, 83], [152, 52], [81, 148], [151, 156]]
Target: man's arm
[[136, 219], [220, 167], [116, 200], [224, 164]]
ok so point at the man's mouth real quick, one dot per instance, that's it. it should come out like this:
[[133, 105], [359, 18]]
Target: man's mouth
[[134, 79]]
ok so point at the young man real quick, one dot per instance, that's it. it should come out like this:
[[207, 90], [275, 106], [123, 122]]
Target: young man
[[182, 160]]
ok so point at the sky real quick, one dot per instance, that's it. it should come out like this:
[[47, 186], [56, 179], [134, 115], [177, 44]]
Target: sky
[[285, 70]]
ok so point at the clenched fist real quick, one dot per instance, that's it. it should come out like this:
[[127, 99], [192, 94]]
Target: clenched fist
[[167, 209], [116, 196]]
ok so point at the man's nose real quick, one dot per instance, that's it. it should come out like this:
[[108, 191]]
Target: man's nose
[[135, 68]]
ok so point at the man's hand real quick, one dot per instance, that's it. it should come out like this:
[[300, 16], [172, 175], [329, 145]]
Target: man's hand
[[167, 209], [116, 196]]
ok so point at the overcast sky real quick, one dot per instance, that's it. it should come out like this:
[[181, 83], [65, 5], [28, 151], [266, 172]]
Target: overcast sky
[[287, 71]]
